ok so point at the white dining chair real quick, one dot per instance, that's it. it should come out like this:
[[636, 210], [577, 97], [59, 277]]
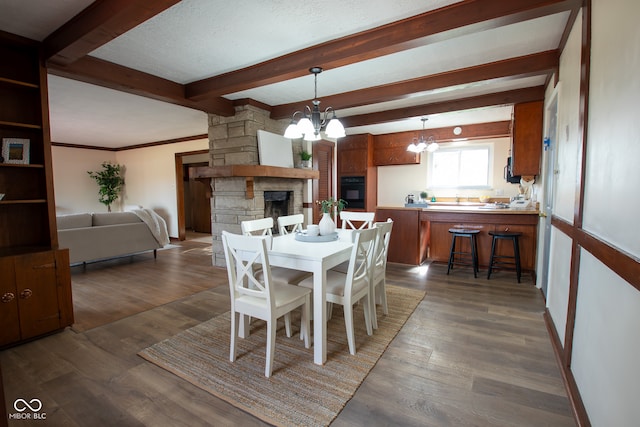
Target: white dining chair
[[362, 220], [263, 299], [263, 227], [294, 221], [380, 253], [348, 288]]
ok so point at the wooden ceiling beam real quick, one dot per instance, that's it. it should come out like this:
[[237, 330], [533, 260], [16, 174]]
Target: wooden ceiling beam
[[445, 23], [495, 99], [543, 63], [99, 23], [114, 76]]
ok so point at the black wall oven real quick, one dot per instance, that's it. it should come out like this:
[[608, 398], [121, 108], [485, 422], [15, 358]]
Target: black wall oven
[[352, 191]]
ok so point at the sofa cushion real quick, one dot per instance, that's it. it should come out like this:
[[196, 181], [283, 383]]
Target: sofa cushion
[[113, 218], [80, 220]]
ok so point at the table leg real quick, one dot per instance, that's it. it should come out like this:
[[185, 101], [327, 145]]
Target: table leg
[[319, 317]]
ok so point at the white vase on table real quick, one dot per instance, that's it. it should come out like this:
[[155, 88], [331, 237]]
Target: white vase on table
[[326, 224]]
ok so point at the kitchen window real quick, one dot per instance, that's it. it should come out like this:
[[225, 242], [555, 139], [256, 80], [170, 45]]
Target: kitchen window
[[461, 167]]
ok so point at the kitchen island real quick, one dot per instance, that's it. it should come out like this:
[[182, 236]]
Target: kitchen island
[[421, 233]]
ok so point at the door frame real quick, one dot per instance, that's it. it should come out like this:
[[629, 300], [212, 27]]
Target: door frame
[[182, 231]]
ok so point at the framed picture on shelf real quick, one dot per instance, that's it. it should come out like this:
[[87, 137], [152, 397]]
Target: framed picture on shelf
[[15, 150]]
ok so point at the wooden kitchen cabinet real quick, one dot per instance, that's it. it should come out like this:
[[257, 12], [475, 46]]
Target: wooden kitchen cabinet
[[391, 149], [526, 143], [355, 159], [408, 242], [439, 224]]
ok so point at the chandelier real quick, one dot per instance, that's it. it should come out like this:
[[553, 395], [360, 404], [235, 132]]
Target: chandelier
[[418, 145], [313, 121]]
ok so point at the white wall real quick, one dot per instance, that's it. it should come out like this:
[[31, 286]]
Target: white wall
[[75, 191], [150, 178], [395, 182], [606, 342]]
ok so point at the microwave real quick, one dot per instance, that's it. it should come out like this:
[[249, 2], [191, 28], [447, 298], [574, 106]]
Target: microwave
[[507, 173]]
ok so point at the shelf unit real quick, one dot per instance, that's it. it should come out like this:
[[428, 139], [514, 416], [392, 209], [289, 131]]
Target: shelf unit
[[36, 282]]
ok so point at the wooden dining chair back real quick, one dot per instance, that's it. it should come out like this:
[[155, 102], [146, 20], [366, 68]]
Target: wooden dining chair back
[[257, 227], [293, 221], [357, 220], [380, 254], [348, 288], [260, 298]]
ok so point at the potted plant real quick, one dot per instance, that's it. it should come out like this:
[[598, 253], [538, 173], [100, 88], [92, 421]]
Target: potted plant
[[326, 224], [110, 183], [424, 195], [305, 158]]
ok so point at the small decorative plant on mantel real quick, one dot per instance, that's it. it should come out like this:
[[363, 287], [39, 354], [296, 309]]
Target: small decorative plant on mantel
[[326, 224], [305, 158], [110, 183]]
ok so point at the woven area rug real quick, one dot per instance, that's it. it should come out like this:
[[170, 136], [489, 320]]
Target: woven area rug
[[299, 392]]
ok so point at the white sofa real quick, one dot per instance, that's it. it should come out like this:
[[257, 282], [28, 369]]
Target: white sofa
[[99, 236]]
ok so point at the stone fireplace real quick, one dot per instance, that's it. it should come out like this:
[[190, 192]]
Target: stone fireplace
[[239, 188]]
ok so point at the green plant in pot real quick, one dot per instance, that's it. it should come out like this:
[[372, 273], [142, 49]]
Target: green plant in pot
[[305, 156], [110, 182], [424, 195]]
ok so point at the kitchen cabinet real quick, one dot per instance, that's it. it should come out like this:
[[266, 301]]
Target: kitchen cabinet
[[524, 222], [355, 159], [35, 282], [420, 234], [391, 149], [526, 142], [408, 242]]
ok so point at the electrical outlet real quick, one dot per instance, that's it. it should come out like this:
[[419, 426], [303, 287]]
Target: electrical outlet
[[499, 192]]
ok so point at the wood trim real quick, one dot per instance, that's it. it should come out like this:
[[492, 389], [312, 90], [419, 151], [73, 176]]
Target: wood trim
[[182, 228], [577, 405], [252, 171], [622, 263], [133, 147], [436, 25], [98, 24], [543, 63], [498, 98]]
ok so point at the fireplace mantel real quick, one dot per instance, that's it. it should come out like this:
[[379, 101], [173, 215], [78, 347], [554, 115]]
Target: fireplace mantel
[[249, 172]]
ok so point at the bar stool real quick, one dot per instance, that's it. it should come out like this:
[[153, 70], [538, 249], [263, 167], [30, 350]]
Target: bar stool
[[499, 261], [464, 258]]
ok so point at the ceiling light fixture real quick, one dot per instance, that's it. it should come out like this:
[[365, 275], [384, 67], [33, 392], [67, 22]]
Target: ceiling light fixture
[[418, 145], [313, 121]]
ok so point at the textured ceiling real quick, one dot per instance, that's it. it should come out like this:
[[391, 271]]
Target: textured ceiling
[[197, 39]]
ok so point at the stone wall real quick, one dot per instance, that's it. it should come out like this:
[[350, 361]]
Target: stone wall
[[234, 141]]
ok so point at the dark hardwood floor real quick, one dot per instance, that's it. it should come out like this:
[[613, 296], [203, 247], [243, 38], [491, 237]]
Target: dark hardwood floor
[[474, 353]]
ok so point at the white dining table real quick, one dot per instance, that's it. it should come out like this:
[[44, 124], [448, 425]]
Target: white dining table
[[317, 258]]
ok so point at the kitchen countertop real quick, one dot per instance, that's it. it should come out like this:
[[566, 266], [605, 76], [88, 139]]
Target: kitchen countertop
[[467, 208]]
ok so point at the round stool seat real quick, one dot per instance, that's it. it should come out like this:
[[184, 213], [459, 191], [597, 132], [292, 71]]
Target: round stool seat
[[505, 234], [463, 257]]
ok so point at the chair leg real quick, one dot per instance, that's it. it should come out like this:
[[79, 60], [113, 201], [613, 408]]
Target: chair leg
[[287, 324], [453, 247], [516, 253], [382, 286], [348, 323], [271, 344], [304, 323], [368, 315], [372, 308], [493, 251], [234, 333], [474, 256]]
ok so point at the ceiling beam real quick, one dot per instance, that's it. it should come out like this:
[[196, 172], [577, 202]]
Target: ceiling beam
[[113, 76], [495, 99], [445, 23], [543, 63], [98, 24]]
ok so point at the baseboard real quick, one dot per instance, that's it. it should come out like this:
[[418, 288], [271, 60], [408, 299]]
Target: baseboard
[[575, 400]]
